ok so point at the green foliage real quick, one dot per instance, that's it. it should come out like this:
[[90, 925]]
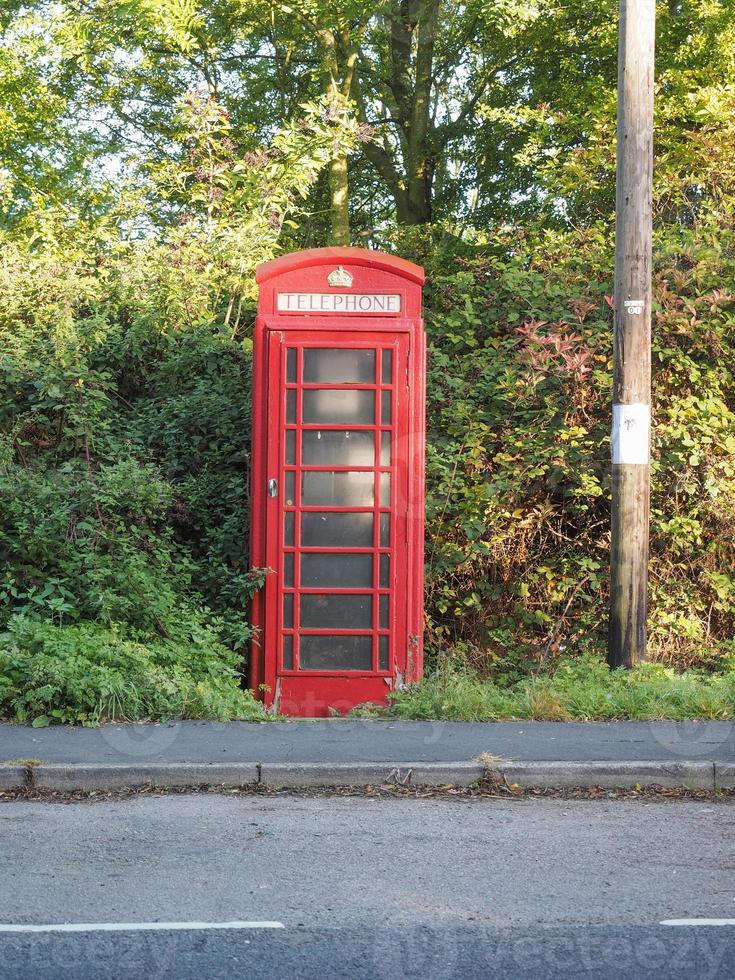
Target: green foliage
[[124, 433], [87, 674], [582, 690], [127, 248], [520, 333]]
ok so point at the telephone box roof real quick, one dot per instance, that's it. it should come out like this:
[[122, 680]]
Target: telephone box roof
[[353, 256]]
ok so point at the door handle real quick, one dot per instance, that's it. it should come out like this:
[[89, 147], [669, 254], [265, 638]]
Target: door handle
[[272, 488]]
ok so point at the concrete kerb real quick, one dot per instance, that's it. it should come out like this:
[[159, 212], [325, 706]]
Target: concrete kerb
[[67, 777], [725, 775], [608, 775], [13, 777], [284, 775]]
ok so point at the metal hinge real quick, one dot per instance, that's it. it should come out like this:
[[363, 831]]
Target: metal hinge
[[272, 488]]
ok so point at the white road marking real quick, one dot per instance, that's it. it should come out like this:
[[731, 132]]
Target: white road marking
[[134, 926], [698, 922]]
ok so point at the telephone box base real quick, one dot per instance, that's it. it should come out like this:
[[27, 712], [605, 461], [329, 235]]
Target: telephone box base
[[299, 697]]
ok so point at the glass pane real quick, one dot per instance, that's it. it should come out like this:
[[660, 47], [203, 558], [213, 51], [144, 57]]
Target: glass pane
[[383, 623], [336, 571], [339, 366], [291, 406], [337, 489], [385, 571], [339, 612], [387, 370], [336, 530], [336, 653], [340, 407], [290, 447], [383, 653], [291, 365], [385, 489], [385, 415], [288, 570], [288, 521], [385, 530], [385, 448], [288, 611], [288, 652], [329, 447], [290, 491]]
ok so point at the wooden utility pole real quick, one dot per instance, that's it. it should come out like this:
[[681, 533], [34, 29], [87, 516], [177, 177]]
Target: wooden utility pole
[[632, 340]]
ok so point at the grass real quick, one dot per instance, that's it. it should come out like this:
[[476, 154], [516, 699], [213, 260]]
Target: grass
[[581, 690]]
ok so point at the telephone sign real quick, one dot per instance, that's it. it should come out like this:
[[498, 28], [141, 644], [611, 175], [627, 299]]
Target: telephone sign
[[338, 479]]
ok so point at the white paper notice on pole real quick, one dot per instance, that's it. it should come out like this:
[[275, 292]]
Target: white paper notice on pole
[[631, 433]]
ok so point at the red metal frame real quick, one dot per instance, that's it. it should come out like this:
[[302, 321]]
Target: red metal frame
[[281, 683]]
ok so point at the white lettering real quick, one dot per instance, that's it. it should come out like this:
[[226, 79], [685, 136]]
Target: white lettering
[[339, 303]]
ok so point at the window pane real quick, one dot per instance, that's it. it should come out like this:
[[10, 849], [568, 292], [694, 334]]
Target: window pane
[[334, 365], [291, 406], [328, 447], [385, 571], [291, 365], [288, 570], [345, 612], [339, 407], [337, 489], [288, 652], [385, 448], [288, 522], [385, 414], [385, 530], [383, 622], [336, 571], [383, 653], [290, 447], [290, 491], [385, 489], [336, 530], [288, 611], [387, 370], [336, 653]]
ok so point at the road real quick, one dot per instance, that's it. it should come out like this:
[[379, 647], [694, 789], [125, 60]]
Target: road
[[367, 887]]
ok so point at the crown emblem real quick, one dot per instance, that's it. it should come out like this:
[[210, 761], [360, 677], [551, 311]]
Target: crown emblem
[[340, 277]]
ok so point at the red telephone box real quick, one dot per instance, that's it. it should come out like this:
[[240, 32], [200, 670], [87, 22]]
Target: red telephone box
[[338, 479]]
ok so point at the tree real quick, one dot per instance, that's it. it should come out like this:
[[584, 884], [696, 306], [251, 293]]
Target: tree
[[468, 114]]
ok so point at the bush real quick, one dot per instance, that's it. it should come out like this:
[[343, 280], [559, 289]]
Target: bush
[[124, 427], [518, 471], [87, 674], [124, 439]]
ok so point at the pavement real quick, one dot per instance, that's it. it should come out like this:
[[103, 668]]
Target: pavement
[[337, 752], [197, 885]]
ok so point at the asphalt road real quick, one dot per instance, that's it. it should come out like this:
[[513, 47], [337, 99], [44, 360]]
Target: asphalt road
[[368, 888], [630, 953], [372, 741]]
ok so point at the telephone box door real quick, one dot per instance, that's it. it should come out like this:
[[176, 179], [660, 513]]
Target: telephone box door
[[336, 534]]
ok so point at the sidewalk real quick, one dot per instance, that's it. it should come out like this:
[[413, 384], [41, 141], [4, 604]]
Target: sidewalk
[[329, 752]]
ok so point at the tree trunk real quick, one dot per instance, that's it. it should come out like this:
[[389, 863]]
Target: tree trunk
[[420, 160], [412, 30], [339, 194], [339, 188]]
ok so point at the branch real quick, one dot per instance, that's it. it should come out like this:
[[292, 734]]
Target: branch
[[442, 134]]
